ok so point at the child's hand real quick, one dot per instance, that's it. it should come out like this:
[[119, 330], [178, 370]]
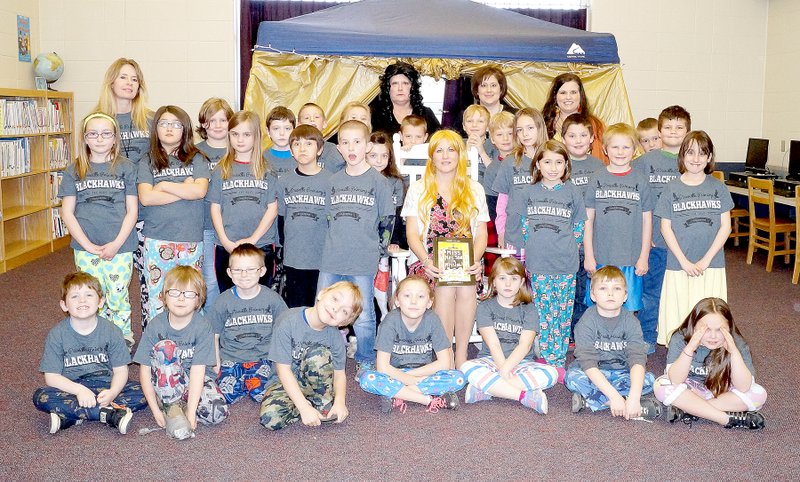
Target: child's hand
[[108, 251], [393, 248], [86, 398], [405, 148], [505, 372], [590, 265], [617, 406], [702, 265], [340, 410], [192, 418], [474, 141], [730, 344], [641, 266], [633, 408], [697, 337], [691, 269], [160, 419], [104, 398], [310, 416]]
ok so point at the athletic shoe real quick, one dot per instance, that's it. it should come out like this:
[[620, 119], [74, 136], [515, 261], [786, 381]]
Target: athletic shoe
[[117, 418], [578, 402], [57, 423], [361, 368], [651, 409], [473, 394], [675, 414], [750, 420], [389, 404], [535, 399], [447, 401]]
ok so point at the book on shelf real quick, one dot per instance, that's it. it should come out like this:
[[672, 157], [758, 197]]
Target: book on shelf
[[21, 116], [56, 113], [55, 183], [58, 150], [59, 229], [15, 156]]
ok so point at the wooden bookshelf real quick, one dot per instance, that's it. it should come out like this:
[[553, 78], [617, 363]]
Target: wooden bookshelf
[[36, 143]]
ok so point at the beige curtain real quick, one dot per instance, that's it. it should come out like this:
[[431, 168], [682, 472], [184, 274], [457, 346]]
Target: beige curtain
[[291, 80]]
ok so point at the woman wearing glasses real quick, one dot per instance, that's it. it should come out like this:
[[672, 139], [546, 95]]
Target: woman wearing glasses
[[173, 180], [99, 208]]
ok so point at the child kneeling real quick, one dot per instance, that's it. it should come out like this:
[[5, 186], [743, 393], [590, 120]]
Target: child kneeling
[[407, 339], [710, 372], [508, 323], [610, 354], [85, 363], [176, 358], [308, 353]]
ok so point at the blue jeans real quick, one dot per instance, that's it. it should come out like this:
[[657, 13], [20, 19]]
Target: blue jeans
[[577, 381], [209, 275], [366, 325], [651, 294]]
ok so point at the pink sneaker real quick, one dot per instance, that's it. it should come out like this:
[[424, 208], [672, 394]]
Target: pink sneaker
[[535, 399], [447, 401], [390, 404]]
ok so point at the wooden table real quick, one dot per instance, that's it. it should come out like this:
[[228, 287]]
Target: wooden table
[[786, 201]]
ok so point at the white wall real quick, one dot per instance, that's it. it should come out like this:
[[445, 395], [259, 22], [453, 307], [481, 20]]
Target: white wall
[[781, 94], [13, 73], [707, 55], [186, 48]]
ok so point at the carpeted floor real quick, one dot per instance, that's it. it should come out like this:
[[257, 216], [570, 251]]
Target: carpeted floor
[[490, 440]]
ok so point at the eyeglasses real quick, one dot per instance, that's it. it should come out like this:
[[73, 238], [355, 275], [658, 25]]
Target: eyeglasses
[[165, 124], [95, 135], [189, 295], [244, 270]]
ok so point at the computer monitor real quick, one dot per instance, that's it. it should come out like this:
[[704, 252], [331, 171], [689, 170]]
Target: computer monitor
[[794, 158], [757, 150]]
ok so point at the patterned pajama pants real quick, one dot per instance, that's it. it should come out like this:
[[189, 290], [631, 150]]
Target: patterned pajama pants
[[577, 381], [239, 379], [443, 381], [171, 383], [482, 374], [554, 296], [159, 258], [315, 377], [114, 277], [52, 400]]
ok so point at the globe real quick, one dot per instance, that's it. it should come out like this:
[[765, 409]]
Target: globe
[[48, 65]]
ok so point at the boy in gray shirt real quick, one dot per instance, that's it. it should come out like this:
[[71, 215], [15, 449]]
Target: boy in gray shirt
[[243, 318], [610, 355], [85, 364]]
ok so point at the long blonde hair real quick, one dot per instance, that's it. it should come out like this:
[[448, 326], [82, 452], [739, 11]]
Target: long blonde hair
[[462, 207], [82, 162], [140, 113], [258, 165]]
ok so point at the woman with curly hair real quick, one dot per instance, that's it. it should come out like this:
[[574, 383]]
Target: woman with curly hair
[[567, 97], [400, 96]]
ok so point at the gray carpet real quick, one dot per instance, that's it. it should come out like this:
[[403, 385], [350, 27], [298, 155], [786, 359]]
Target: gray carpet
[[490, 440]]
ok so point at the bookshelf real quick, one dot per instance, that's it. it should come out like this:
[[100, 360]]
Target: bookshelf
[[36, 144]]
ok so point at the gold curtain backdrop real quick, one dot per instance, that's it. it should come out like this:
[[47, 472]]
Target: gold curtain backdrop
[[291, 80]]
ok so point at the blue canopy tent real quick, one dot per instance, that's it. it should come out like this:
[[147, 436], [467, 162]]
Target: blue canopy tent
[[336, 55]]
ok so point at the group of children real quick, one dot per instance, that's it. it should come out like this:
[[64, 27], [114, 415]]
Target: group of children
[[316, 221]]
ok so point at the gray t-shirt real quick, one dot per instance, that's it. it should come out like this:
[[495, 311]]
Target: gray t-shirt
[[245, 326], [698, 369], [68, 353], [214, 154], [177, 221], [331, 159], [243, 201], [411, 349], [551, 215], [508, 324], [619, 202], [660, 167], [302, 202], [490, 174], [357, 203], [100, 201], [510, 180], [398, 191], [292, 337], [609, 343], [195, 342], [583, 170], [280, 162], [696, 214], [134, 142]]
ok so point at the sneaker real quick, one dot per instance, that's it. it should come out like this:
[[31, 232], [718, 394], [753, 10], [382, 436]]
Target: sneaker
[[352, 346], [651, 409], [361, 368], [536, 400], [116, 417], [57, 423], [389, 404], [675, 414], [447, 401], [473, 394], [578, 402], [177, 424], [751, 420]]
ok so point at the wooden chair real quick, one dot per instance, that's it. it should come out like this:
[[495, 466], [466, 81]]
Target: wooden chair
[[760, 191], [796, 272], [740, 217]]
